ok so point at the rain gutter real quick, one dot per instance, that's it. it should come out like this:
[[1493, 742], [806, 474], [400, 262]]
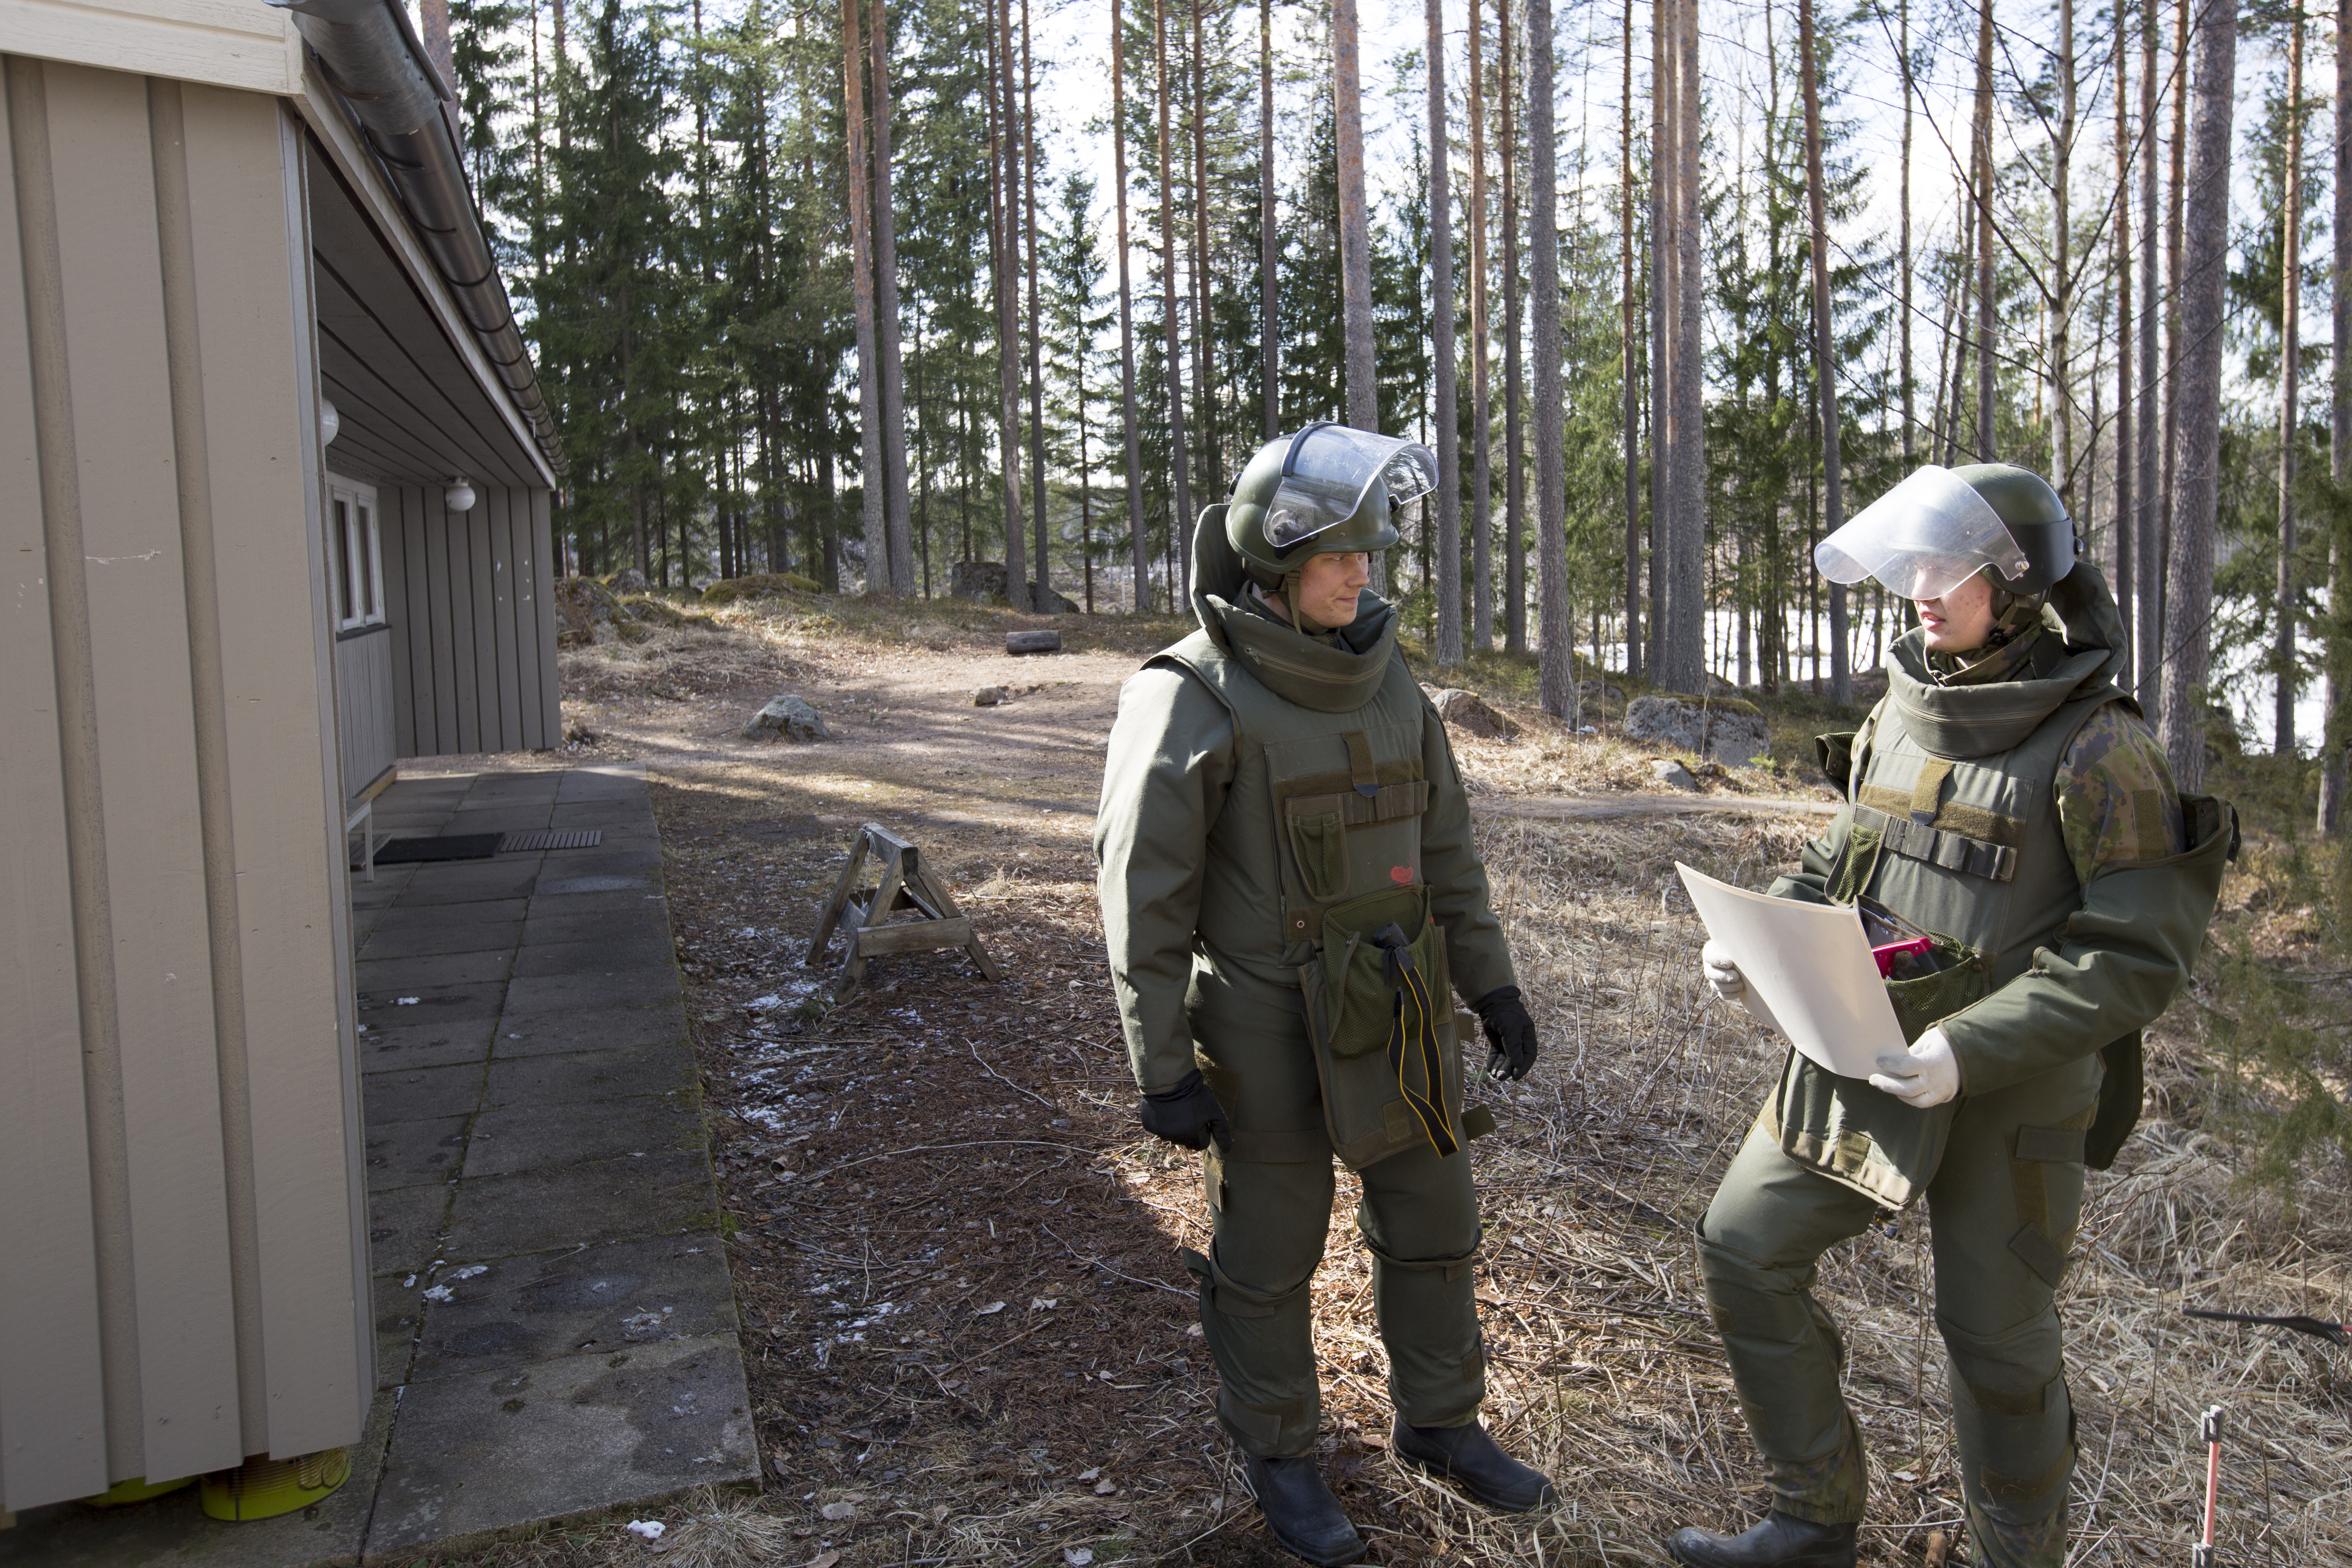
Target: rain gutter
[[377, 64]]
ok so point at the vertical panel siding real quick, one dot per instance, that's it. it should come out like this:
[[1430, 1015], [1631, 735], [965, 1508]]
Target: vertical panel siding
[[363, 707], [499, 508], [52, 1409], [180, 1227], [403, 603], [245, 163], [550, 568], [185, 1347], [474, 621]]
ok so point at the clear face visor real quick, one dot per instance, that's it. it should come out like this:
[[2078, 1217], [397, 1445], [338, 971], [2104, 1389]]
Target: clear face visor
[[1922, 538], [1330, 469]]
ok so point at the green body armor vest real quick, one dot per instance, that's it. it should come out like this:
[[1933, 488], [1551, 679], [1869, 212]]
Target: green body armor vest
[[1316, 854], [1969, 850]]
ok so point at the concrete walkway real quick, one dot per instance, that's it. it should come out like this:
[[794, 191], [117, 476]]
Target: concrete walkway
[[555, 1329]]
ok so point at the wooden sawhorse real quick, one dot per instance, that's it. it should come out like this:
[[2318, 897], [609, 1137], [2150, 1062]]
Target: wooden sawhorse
[[861, 914]]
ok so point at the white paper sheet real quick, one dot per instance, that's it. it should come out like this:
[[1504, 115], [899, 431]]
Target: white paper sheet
[[1809, 971]]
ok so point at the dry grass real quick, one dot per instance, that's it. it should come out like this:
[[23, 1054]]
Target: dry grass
[[952, 1144]]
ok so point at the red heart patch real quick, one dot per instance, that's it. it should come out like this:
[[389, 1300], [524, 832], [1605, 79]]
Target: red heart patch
[[1401, 875]]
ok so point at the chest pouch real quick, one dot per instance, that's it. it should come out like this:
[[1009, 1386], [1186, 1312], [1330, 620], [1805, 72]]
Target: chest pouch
[[1925, 987], [1386, 1048]]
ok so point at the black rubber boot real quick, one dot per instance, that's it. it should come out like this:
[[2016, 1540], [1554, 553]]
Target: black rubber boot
[[1300, 1509], [1468, 1456], [1781, 1541]]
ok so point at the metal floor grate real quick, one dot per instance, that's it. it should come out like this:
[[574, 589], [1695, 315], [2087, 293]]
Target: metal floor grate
[[551, 839]]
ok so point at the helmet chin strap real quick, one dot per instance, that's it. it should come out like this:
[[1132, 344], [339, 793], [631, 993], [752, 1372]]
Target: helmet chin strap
[[1300, 620]]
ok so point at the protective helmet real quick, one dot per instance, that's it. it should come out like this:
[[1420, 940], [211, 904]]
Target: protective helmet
[[1942, 526], [1328, 489]]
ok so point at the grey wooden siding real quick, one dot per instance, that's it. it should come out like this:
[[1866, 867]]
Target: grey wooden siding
[[180, 1240], [363, 705], [470, 598]]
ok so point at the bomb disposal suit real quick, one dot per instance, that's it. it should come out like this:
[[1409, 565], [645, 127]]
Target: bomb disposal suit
[[2011, 803], [1289, 891]]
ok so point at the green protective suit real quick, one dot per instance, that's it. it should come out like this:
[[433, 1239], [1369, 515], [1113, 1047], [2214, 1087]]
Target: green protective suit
[[1258, 779], [2016, 808]]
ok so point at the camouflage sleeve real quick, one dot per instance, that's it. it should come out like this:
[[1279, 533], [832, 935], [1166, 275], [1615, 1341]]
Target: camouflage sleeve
[[2117, 803]]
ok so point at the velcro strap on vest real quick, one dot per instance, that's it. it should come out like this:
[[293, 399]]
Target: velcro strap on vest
[[1386, 803], [1360, 771], [1928, 787], [1938, 846]]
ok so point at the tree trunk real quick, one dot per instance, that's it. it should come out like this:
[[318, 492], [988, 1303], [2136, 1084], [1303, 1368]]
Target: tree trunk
[[1515, 469], [1005, 145], [1355, 231], [1903, 265], [2125, 515], [2062, 309], [1138, 548], [2159, 564], [1269, 251], [898, 516], [1180, 525], [1556, 667], [1987, 373], [1482, 472], [2339, 444], [2148, 621], [1664, 254], [2283, 651], [1042, 601], [1440, 338], [1824, 346], [2206, 221], [1355, 221], [1630, 349], [871, 468], [1684, 668], [1205, 390]]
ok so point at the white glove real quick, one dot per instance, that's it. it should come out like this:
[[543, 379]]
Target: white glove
[[1928, 1075], [1722, 974]]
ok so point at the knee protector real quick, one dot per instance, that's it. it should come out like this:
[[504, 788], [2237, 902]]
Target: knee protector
[[1429, 1325], [1263, 1345], [2015, 1422]]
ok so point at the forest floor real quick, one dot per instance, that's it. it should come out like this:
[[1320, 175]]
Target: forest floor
[[969, 1337]]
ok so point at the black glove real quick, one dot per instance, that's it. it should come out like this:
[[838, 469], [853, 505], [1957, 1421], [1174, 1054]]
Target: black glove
[[1510, 1033], [1187, 1116]]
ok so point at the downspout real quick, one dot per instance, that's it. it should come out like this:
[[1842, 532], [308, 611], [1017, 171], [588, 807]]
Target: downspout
[[373, 57]]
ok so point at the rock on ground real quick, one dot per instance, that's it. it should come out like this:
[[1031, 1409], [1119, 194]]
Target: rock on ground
[[983, 579], [988, 697], [629, 580], [1672, 774], [789, 717], [1468, 712], [1055, 603], [1725, 730]]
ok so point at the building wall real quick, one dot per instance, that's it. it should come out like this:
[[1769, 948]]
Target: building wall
[[181, 1213], [470, 600]]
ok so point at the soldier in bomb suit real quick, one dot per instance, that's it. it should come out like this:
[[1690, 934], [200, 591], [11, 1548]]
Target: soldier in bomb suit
[[2007, 800], [1289, 891]]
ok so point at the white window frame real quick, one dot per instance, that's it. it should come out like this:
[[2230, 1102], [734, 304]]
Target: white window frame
[[355, 555]]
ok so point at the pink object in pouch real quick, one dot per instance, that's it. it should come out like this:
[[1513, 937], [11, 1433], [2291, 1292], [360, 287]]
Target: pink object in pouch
[[1892, 951]]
